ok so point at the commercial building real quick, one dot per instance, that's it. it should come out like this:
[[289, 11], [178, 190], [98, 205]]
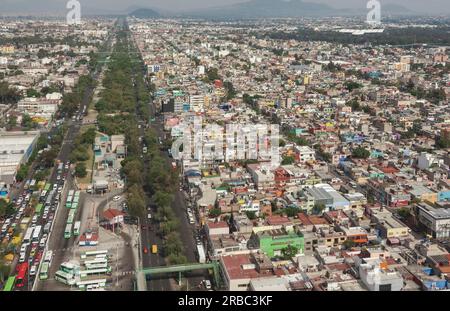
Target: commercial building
[[272, 242], [435, 220], [15, 149]]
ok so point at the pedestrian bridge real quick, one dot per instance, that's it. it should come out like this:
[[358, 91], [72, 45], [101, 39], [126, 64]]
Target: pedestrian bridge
[[214, 265]]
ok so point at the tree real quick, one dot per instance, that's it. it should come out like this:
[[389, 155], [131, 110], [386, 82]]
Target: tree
[[289, 252], [80, 170], [32, 93], [173, 244], [351, 85], [215, 212], [251, 215], [291, 211], [403, 212], [360, 153], [348, 244], [287, 160], [163, 199], [318, 208], [22, 173]]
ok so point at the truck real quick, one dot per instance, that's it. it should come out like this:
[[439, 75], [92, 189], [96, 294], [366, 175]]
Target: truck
[[201, 253]]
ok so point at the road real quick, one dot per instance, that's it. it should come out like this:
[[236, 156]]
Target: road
[[56, 242]]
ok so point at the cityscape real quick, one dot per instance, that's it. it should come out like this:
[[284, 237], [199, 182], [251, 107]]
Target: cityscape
[[253, 146]]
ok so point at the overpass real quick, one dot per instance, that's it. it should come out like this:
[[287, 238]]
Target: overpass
[[214, 265]]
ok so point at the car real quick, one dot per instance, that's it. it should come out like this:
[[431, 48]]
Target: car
[[34, 220], [143, 227], [33, 252], [149, 216], [33, 270], [116, 198], [58, 177], [50, 216], [145, 250], [22, 257], [207, 284], [38, 257], [55, 186], [191, 221]]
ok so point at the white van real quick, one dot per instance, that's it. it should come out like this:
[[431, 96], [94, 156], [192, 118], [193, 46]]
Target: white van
[[42, 242], [33, 270], [22, 257], [34, 220], [23, 248]]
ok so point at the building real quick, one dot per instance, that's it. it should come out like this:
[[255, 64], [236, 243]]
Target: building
[[435, 220], [240, 270], [272, 242], [15, 149], [377, 277], [326, 195], [388, 226]]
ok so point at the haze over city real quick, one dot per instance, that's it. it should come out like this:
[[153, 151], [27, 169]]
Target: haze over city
[[179, 6]]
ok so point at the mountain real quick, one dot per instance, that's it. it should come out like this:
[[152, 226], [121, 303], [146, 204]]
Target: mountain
[[266, 8], [144, 13]]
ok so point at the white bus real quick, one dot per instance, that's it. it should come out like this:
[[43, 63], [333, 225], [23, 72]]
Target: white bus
[[28, 235], [48, 257], [37, 233], [90, 272], [92, 284], [96, 261], [76, 228], [94, 253], [94, 266], [65, 278]]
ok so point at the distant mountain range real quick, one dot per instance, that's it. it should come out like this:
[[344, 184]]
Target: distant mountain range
[[145, 13], [266, 8]]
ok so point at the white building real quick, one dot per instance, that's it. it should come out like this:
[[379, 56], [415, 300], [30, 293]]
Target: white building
[[376, 278]]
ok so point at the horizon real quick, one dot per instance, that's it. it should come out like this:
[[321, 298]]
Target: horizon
[[176, 7]]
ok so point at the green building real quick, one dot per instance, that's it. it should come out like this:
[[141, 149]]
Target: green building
[[271, 242]]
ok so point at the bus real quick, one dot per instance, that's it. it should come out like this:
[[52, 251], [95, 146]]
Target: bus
[[64, 277], [154, 248], [21, 275], [39, 208], [27, 184], [77, 193], [69, 201], [94, 253], [90, 272], [91, 284], [33, 183], [28, 235], [99, 265], [37, 234], [48, 201], [71, 193], [96, 261], [47, 187], [68, 231], [48, 257], [71, 216], [9, 286], [76, 228], [74, 205], [75, 199], [68, 267], [43, 195], [43, 272], [60, 167]]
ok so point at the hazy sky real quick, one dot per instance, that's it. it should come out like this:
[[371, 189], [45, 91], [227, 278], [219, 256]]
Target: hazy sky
[[93, 6]]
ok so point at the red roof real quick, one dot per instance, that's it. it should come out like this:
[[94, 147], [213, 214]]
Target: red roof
[[111, 213], [304, 219], [277, 220], [219, 224]]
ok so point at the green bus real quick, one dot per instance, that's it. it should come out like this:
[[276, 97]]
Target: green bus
[[43, 273], [39, 208], [47, 187], [71, 217], [74, 205], [69, 201], [68, 231], [9, 284]]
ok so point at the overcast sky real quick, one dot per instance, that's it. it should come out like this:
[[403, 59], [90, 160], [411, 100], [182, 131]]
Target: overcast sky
[[93, 6]]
